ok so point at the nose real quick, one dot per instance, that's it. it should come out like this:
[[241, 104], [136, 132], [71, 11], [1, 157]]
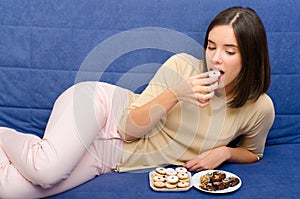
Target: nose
[[216, 57]]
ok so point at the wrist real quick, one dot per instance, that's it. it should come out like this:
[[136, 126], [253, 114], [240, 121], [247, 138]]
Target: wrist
[[172, 94], [227, 153]]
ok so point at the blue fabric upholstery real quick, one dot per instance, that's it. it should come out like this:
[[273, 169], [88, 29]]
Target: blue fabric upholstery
[[45, 44]]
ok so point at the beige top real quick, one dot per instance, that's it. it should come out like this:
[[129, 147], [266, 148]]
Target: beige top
[[188, 130]]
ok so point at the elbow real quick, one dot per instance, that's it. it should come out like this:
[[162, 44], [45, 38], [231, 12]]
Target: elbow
[[129, 138], [126, 137], [258, 157]]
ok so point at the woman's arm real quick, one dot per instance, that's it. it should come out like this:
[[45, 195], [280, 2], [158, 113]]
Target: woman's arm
[[254, 140], [142, 119], [194, 90], [241, 155], [213, 158]]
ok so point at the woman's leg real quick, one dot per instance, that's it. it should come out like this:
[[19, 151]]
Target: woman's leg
[[72, 128], [14, 185], [11, 182], [76, 119]]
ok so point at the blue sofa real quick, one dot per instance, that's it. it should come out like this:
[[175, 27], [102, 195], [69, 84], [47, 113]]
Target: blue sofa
[[47, 46]]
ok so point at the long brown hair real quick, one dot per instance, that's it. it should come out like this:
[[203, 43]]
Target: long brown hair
[[254, 78]]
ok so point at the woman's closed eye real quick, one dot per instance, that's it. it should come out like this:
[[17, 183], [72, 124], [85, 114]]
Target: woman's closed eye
[[230, 52], [211, 48]]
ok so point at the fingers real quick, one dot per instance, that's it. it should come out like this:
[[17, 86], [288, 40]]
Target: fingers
[[203, 99], [190, 164], [194, 165], [198, 89], [204, 85], [198, 80], [203, 88], [205, 75], [207, 160], [203, 95], [213, 86]]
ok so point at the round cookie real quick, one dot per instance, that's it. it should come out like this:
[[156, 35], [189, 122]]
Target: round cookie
[[159, 184], [170, 185], [160, 170], [159, 178], [214, 73], [183, 176], [171, 172], [183, 184], [172, 179], [181, 170]]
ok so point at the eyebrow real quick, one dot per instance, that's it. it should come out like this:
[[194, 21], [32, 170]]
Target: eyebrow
[[229, 45]]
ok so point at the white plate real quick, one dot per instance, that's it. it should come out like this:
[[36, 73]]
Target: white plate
[[196, 182], [151, 175]]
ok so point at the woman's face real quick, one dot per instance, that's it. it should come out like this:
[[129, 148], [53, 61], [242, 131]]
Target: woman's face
[[222, 54]]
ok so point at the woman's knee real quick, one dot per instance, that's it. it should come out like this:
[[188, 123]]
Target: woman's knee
[[13, 184], [48, 167], [48, 179]]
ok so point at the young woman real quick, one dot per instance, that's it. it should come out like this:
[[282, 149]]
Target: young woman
[[184, 117]]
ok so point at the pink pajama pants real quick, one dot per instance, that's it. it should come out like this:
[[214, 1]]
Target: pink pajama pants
[[80, 142]]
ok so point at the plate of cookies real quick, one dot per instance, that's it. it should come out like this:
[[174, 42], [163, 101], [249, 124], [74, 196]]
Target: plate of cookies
[[170, 179], [216, 181]]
